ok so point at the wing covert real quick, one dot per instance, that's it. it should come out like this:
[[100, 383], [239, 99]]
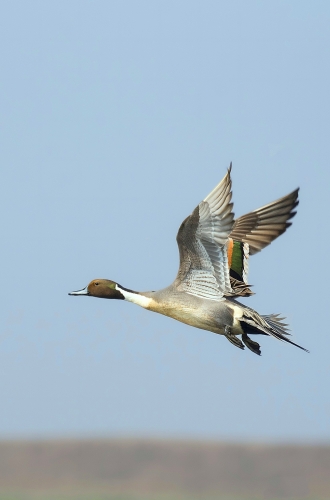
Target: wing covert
[[202, 240], [260, 227]]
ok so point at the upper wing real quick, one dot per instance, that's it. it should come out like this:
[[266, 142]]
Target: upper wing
[[202, 241], [260, 227]]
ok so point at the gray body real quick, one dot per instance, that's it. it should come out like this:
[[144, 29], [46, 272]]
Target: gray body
[[201, 313], [225, 316]]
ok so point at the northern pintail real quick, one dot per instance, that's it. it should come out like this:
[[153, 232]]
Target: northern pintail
[[203, 293]]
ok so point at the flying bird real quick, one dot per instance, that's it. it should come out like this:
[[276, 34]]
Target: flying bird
[[214, 253]]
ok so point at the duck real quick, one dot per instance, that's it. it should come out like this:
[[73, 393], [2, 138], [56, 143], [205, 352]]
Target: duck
[[214, 251]]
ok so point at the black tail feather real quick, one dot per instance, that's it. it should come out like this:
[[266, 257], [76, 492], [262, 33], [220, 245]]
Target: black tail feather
[[271, 325]]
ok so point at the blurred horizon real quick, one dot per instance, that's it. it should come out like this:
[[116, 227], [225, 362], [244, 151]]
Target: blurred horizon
[[171, 470]]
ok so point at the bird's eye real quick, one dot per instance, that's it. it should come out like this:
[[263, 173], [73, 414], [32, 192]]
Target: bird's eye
[[97, 283]]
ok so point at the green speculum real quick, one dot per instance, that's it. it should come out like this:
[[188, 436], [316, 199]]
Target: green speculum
[[237, 261]]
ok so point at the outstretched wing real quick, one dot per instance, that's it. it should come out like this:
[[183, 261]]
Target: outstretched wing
[[254, 231], [202, 241], [260, 227]]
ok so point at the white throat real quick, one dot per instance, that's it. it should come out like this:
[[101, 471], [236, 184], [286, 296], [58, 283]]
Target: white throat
[[136, 298]]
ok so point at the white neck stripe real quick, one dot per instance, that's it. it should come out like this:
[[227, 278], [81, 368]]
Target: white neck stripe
[[136, 298]]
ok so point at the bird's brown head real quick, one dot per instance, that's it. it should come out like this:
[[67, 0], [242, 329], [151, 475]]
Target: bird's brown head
[[104, 289]]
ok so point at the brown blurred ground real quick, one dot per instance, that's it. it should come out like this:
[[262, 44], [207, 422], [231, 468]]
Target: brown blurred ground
[[145, 469]]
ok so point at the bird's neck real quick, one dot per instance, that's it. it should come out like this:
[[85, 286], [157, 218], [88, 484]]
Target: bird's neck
[[135, 297]]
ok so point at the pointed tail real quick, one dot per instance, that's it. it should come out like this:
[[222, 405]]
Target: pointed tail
[[270, 324]]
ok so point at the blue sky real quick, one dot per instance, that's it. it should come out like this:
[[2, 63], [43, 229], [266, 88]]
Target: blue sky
[[117, 119]]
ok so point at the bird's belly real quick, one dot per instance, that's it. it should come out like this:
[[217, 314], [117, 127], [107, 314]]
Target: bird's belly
[[196, 317]]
